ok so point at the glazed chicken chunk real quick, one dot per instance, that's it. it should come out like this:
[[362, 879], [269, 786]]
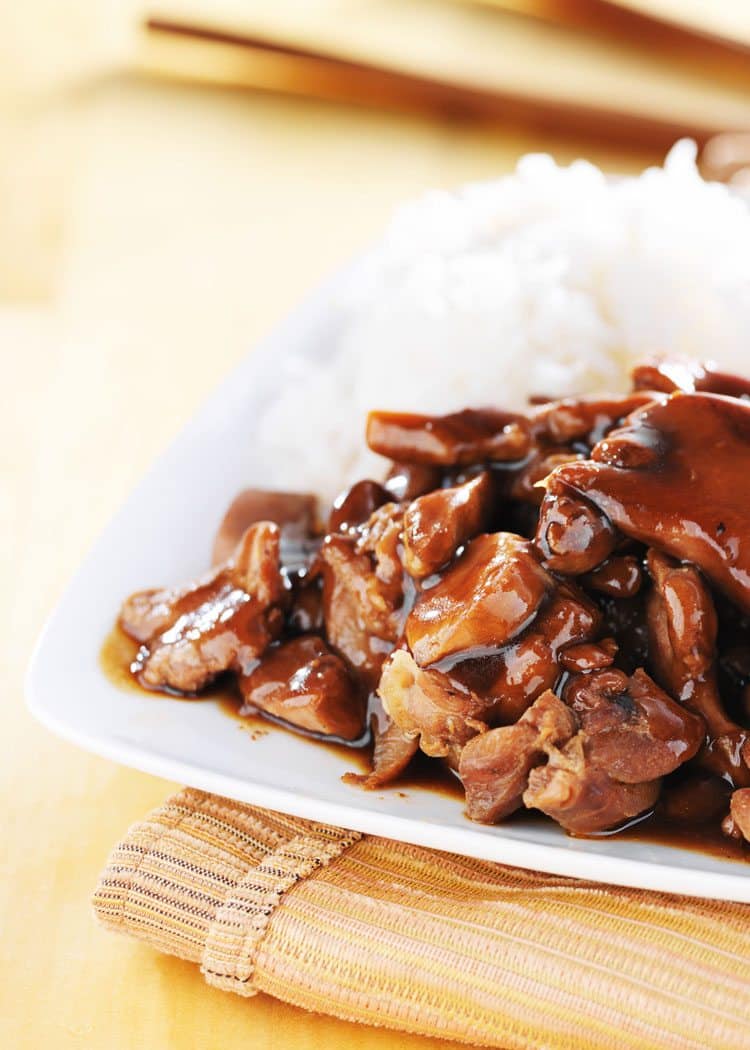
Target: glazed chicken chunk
[[438, 523], [487, 596], [631, 735], [302, 682], [222, 622], [495, 767], [683, 631], [426, 705]]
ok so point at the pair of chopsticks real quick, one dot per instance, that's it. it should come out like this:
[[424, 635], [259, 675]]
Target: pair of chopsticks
[[590, 67]]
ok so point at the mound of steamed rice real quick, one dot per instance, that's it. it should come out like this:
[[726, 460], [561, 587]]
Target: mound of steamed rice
[[549, 281]]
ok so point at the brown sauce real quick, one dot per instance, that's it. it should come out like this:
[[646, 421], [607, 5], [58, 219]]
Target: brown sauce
[[703, 838], [118, 651], [429, 774]]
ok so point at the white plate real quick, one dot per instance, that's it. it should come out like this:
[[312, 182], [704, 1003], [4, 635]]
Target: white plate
[[163, 535]]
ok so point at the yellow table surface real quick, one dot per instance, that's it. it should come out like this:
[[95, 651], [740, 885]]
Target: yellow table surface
[[178, 226]]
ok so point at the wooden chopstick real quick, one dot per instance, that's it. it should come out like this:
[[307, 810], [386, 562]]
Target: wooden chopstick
[[239, 59], [620, 19]]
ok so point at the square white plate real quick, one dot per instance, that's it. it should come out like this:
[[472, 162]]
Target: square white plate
[[163, 535]]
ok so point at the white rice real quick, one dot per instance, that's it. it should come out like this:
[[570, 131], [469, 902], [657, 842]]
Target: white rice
[[548, 281]]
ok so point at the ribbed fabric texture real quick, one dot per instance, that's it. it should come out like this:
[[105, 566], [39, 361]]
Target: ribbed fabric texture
[[390, 934]]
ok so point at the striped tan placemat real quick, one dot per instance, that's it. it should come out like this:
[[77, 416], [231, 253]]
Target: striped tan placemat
[[386, 933]]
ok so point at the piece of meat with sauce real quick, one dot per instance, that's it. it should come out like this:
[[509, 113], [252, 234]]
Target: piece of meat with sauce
[[381, 537], [494, 767], [498, 685], [634, 730], [485, 597], [669, 374], [572, 536], [631, 735], [461, 438], [576, 421], [510, 679], [675, 477], [407, 481], [424, 704], [581, 796], [620, 576], [363, 591], [438, 523], [303, 683], [355, 506], [392, 752], [683, 627], [737, 822], [224, 621], [682, 635], [588, 656]]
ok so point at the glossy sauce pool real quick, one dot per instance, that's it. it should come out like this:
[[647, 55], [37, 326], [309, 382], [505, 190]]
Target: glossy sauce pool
[[118, 652]]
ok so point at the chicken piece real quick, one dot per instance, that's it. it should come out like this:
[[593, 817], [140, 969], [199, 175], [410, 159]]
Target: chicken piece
[[484, 598], [675, 477], [363, 593], [513, 678], [494, 767], [355, 506], [392, 752], [620, 576], [302, 682], [572, 536], [589, 656], [728, 755], [407, 481], [737, 822], [253, 569], [634, 730], [381, 537], [668, 374], [682, 647], [438, 523], [584, 420], [222, 622], [631, 734], [581, 796], [682, 634], [145, 613], [425, 704], [294, 512], [459, 439]]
